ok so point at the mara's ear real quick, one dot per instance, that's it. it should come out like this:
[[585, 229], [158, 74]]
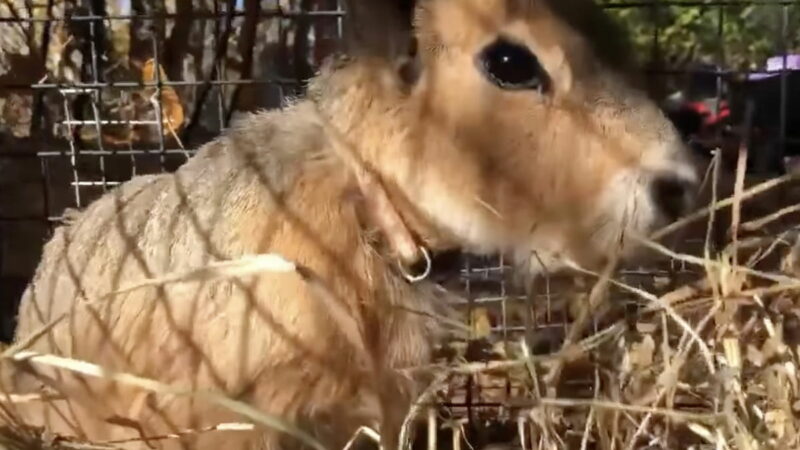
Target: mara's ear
[[379, 28]]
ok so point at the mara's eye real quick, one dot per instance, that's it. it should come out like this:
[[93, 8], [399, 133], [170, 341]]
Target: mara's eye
[[511, 66]]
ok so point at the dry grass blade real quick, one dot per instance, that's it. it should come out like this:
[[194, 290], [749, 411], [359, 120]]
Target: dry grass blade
[[702, 262], [531, 366], [736, 210], [96, 371], [365, 431], [244, 266], [234, 426], [746, 195], [714, 167], [404, 442], [602, 404], [241, 267], [28, 398], [759, 223], [587, 430]]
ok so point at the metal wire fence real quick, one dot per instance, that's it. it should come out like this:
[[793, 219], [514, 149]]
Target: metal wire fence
[[80, 115], [93, 92]]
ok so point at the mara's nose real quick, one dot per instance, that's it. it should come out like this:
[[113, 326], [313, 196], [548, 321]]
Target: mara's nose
[[673, 195]]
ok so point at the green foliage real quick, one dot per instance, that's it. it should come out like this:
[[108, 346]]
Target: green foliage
[[737, 36]]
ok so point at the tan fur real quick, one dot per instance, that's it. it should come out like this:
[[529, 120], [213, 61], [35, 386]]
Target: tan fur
[[562, 175]]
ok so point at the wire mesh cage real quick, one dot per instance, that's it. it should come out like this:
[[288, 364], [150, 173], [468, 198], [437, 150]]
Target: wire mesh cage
[[93, 92], [84, 107]]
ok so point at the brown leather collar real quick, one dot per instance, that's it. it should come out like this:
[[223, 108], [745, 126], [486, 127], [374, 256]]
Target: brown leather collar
[[414, 259]]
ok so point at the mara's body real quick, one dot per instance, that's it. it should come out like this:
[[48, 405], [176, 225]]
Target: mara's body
[[509, 136], [270, 186]]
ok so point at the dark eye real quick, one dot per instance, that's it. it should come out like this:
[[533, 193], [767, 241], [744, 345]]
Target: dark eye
[[511, 66]]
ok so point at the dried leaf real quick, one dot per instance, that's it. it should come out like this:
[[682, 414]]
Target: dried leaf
[[645, 327], [701, 431], [481, 324], [172, 115], [778, 423], [641, 353], [733, 352]]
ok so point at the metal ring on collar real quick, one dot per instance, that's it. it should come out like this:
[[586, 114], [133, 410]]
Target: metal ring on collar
[[428, 263]]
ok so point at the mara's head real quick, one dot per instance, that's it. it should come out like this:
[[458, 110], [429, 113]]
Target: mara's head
[[516, 133]]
